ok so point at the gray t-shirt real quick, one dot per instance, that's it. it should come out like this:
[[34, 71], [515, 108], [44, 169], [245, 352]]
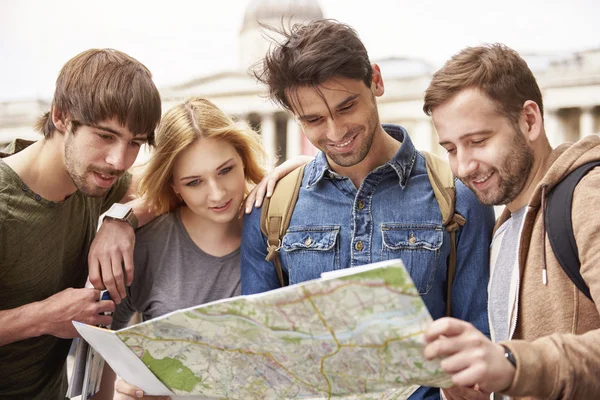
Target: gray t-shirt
[[501, 277], [172, 272]]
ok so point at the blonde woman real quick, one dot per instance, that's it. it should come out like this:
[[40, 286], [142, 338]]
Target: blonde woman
[[205, 164]]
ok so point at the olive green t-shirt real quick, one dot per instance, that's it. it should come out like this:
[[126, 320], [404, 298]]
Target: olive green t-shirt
[[43, 250]]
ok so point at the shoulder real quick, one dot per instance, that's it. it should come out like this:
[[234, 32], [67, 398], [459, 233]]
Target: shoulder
[[586, 196], [589, 181], [10, 190], [465, 198], [151, 242], [251, 224], [469, 206], [155, 231]]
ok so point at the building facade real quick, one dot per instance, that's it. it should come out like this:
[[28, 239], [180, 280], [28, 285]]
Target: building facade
[[570, 85]]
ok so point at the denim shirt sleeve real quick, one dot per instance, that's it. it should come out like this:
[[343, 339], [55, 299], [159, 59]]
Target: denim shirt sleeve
[[469, 290], [257, 274]]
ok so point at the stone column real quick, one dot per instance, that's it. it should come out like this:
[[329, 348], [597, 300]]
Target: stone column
[[267, 131], [586, 122], [552, 126], [294, 139]]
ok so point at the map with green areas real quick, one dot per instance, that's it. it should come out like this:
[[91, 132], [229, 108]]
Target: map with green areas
[[355, 334]]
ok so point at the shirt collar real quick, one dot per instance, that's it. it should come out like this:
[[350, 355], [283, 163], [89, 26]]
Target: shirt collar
[[402, 162]]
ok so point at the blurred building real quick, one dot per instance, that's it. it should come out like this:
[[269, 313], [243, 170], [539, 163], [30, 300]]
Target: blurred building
[[570, 85]]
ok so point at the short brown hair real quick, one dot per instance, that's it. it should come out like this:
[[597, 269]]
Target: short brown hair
[[100, 84], [182, 126], [310, 54], [495, 69]]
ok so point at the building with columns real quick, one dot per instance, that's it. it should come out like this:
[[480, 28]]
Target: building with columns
[[570, 86], [571, 91]]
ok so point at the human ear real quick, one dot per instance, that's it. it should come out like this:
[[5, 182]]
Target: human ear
[[532, 120], [59, 119], [377, 85]]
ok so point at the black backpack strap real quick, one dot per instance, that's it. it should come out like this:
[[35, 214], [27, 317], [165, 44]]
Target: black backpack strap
[[560, 226]]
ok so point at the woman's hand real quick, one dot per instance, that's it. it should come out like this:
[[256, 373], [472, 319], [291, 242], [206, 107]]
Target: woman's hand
[[125, 391], [266, 187]]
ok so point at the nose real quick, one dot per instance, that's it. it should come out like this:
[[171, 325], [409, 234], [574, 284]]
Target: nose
[[335, 130], [216, 191], [119, 157], [465, 165]]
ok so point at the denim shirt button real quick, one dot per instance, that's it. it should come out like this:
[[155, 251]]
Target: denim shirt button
[[412, 239], [308, 241], [361, 204], [359, 246]]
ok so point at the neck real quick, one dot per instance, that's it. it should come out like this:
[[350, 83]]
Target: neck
[[541, 154], [42, 167], [214, 238], [383, 148]]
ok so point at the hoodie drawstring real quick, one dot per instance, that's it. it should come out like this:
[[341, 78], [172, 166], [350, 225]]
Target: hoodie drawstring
[[544, 270]]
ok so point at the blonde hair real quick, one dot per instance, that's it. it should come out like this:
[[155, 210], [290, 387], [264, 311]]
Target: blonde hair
[[183, 125]]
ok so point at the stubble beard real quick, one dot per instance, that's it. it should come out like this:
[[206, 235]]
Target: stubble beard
[[360, 153], [80, 178], [511, 176]]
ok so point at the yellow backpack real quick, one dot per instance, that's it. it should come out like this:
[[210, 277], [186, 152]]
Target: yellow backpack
[[277, 211]]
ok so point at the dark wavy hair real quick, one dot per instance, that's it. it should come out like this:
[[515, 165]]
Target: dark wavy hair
[[308, 55]]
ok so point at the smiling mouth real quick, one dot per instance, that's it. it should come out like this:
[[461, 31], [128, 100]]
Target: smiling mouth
[[483, 179], [344, 144], [222, 206], [104, 180]]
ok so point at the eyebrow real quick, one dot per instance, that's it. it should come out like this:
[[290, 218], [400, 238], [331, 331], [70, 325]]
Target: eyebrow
[[342, 104], [199, 176], [467, 135], [119, 134]]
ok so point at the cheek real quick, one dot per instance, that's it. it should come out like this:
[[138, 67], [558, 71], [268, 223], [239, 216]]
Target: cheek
[[493, 157], [237, 184], [192, 196], [132, 155], [310, 133], [453, 164]]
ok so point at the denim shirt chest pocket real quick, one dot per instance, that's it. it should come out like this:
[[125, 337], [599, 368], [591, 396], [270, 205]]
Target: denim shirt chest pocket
[[310, 250], [418, 245]]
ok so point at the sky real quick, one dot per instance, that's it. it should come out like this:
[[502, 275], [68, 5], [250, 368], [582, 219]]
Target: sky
[[179, 40]]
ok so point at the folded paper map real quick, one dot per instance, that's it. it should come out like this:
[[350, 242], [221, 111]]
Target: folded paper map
[[356, 333]]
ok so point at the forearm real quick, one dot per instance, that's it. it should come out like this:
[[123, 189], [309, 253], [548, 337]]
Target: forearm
[[557, 367], [22, 323]]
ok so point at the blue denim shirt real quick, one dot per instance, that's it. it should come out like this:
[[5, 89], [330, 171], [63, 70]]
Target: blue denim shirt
[[335, 225]]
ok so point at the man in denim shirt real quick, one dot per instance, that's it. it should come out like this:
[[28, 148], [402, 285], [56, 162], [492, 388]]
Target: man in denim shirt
[[366, 197]]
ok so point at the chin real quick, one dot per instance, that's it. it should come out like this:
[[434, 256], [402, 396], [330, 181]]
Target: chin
[[94, 192]]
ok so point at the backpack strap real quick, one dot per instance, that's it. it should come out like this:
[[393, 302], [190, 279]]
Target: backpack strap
[[442, 181], [559, 225], [276, 214]]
